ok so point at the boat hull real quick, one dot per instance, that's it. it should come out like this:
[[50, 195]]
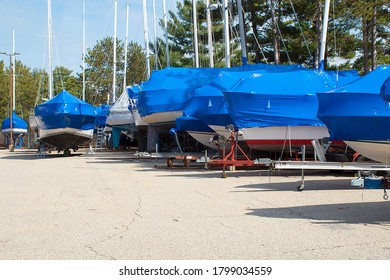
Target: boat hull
[[139, 121], [204, 138], [15, 131], [66, 138], [65, 131], [222, 131], [162, 117], [374, 150], [274, 139]]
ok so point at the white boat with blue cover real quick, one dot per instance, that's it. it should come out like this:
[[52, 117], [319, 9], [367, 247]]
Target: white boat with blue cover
[[168, 92], [19, 127], [276, 111], [359, 114], [65, 121]]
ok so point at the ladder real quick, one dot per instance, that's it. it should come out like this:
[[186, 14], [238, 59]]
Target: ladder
[[99, 138]]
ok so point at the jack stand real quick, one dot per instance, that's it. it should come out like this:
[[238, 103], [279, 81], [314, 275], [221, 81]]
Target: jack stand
[[302, 186], [90, 151], [224, 176], [385, 184], [41, 151]]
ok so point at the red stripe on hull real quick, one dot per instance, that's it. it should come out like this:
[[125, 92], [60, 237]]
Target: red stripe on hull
[[282, 142]]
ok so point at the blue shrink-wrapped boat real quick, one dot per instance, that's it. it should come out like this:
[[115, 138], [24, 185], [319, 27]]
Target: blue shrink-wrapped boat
[[208, 112], [168, 92], [359, 114], [19, 128], [65, 122], [277, 110]]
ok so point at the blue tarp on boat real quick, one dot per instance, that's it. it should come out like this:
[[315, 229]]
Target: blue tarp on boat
[[189, 123], [385, 90], [17, 123], [102, 112], [208, 103], [285, 98], [171, 89], [75, 113], [357, 110]]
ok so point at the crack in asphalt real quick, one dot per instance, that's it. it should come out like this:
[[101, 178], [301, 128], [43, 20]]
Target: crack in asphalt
[[127, 228]]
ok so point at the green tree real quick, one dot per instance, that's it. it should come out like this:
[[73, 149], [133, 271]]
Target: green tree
[[4, 92], [181, 36], [63, 79], [26, 90], [286, 32], [99, 69], [136, 64]]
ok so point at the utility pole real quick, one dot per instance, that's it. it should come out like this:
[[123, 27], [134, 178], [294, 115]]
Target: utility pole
[[11, 101]]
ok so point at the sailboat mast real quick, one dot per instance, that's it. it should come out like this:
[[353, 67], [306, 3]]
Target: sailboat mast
[[324, 33], [83, 50], [226, 31], [155, 36], [166, 33], [146, 39], [242, 33], [195, 16], [50, 66], [126, 43], [114, 67], [209, 34]]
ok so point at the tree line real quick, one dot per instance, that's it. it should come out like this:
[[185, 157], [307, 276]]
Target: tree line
[[277, 32]]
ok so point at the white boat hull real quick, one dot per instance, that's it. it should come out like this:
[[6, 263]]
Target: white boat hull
[[163, 117], [374, 150], [137, 118], [273, 139], [15, 131], [204, 138], [119, 120], [66, 138], [221, 130]]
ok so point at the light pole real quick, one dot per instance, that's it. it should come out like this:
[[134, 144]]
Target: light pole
[[11, 141]]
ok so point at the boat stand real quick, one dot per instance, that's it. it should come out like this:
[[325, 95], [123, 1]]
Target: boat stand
[[41, 151], [90, 151], [230, 159]]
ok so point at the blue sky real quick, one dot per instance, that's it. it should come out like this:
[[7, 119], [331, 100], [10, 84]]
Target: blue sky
[[29, 18]]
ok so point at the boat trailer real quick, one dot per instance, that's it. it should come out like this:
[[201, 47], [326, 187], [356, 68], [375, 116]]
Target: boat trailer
[[327, 165]]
